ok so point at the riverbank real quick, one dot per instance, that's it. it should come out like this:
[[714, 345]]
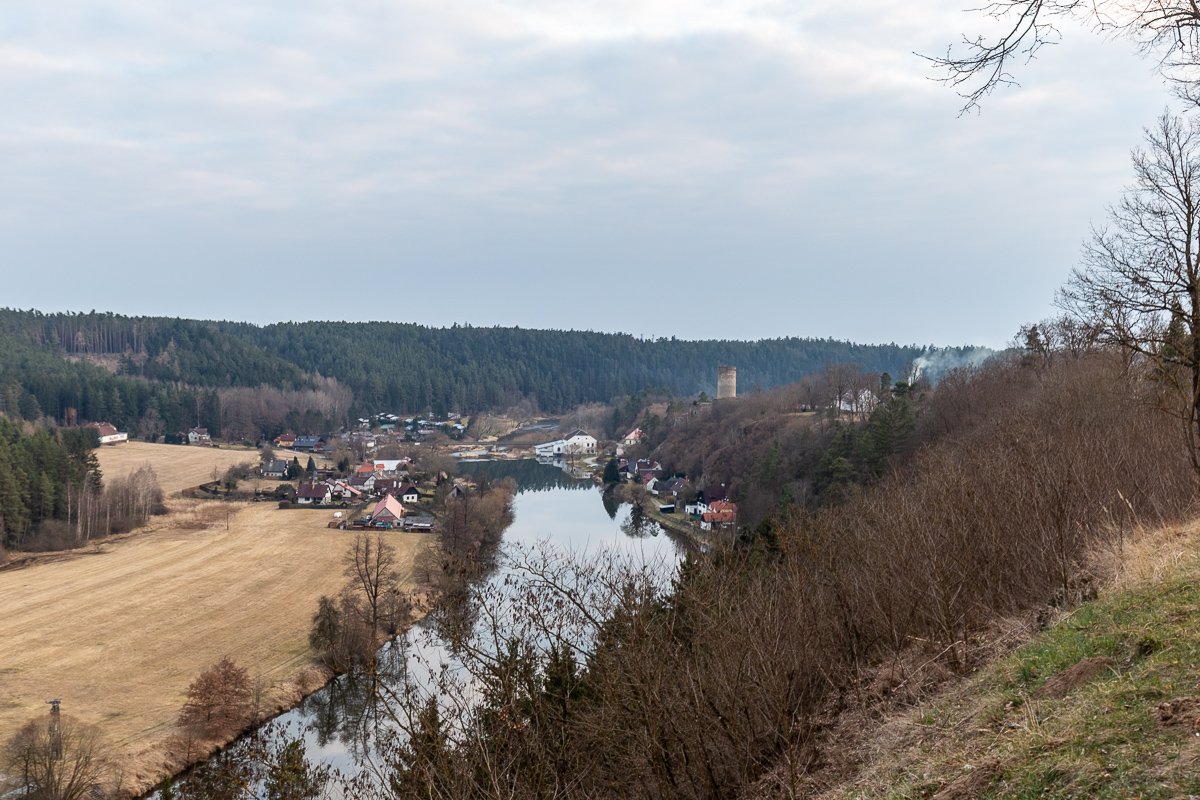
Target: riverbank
[[552, 514], [676, 523], [119, 631]]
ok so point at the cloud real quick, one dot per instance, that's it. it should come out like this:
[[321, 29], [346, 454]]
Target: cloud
[[532, 144]]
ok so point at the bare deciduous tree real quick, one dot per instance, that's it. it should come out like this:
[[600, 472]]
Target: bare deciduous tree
[[1168, 30], [62, 765], [1140, 281], [371, 567]]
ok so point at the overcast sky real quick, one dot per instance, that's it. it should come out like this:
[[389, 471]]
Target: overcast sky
[[660, 167]]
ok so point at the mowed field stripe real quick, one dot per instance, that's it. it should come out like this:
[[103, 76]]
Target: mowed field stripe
[[119, 634]]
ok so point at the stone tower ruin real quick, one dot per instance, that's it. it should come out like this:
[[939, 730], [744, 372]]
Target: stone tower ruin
[[726, 382]]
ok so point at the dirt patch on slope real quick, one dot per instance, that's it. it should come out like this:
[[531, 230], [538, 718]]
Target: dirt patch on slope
[[1181, 713], [970, 785], [1074, 676]]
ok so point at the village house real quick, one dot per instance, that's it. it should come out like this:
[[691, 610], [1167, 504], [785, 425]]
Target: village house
[[643, 464], [285, 440], [364, 483], [313, 494], [647, 472], [578, 442], [633, 437], [341, 490], [706, 496], [669, 488], [109, 434], [581, 442], [721, 514], [387, 513], [275, 468], [387, 484], [199, 436], [306, 444], [421, 523], [408, 493]]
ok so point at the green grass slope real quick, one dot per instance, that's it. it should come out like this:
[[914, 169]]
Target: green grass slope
[[1103, 704]]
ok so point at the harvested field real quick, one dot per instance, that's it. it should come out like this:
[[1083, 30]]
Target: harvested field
[[179, 466], [120, 631]]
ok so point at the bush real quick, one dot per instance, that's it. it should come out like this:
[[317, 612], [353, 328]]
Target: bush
[[1022, 469]]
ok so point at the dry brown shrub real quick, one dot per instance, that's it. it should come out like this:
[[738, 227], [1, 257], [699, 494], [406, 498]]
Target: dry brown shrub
[[198, 515], [1022, 471], [1031, 471], [220, 700], [1145, 555]]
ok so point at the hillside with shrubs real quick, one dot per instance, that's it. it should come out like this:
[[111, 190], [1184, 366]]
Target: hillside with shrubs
[[982, 518]]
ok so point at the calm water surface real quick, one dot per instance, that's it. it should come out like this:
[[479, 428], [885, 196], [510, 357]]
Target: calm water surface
[[340, 723]]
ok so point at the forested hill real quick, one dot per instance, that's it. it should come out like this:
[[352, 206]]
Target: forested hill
[[401, 366], [405, 366]]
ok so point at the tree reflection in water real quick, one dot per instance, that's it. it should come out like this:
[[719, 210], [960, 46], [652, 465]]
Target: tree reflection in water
[[452, 673], [639, 525]]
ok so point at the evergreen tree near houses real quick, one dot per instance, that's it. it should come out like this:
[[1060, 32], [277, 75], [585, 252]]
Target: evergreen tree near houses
[[612, 473]]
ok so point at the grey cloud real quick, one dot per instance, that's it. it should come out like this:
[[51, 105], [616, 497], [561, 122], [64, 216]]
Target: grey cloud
[[797, 170]]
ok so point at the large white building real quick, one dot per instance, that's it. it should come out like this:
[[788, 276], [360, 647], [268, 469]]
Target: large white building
[[577, 443]]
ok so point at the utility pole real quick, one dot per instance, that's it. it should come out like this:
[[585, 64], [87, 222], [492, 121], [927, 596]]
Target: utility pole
[[56, 749]]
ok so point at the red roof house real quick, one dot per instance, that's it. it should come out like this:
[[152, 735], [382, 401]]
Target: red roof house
[[387, 513]]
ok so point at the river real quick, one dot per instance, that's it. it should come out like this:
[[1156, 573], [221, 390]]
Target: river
[[556, 517]]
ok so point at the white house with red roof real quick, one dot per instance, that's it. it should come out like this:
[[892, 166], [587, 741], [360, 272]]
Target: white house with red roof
[[387, 513], [109, 434], [720, 514]]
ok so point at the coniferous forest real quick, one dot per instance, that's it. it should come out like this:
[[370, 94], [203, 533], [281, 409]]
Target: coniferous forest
[[155, 376]]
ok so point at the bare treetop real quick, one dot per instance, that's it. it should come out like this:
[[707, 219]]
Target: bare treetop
[[1168, 30], [1139, 283]]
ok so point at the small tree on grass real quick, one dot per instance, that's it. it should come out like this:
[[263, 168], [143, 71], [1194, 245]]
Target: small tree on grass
[[220, 700], [371, 567]]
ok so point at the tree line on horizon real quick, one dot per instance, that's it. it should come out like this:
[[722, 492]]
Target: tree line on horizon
[[155, 376]]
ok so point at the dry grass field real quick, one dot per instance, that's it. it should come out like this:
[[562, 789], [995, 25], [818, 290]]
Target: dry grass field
[[177, 467], [118, 632]]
